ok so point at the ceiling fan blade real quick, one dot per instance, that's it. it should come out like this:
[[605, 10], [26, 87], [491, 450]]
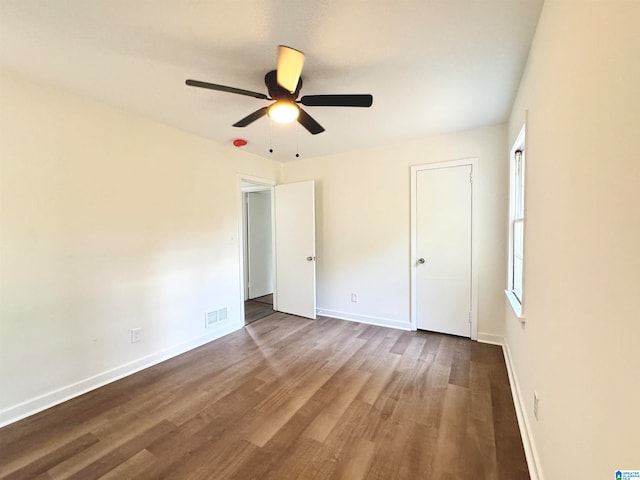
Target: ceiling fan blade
[[290, 62], [223, 88], [309, 123], [252, 117], [337, 100]]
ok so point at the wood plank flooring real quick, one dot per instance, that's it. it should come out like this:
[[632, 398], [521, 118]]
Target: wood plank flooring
[[258, 308], [288, 398]]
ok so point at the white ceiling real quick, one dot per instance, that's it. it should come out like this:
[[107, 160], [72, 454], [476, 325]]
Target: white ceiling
[[432, 66]]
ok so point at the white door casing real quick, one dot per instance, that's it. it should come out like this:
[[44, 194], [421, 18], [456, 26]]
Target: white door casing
[[444, 287], [295, 250]]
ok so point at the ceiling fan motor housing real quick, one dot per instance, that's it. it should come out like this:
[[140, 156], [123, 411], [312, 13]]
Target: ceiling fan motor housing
[[276, 91]]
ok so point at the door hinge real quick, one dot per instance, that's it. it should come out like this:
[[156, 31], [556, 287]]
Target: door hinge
[[470, 317], [470, 177]]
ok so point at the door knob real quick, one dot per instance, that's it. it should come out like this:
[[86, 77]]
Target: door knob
[[421, 260], [310, 259]]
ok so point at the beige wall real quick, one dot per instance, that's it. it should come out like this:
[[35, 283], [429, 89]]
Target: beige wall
[[579, 346], [363, 224], [107, 222]]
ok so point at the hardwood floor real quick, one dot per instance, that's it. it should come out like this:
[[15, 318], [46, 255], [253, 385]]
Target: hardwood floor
[[288, 398], [258, 308]]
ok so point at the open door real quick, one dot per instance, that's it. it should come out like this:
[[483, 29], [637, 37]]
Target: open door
[[295, 286]]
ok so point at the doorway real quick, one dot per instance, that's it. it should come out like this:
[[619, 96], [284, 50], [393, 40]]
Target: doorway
[[443, 277], [257, 242], [291, 268]]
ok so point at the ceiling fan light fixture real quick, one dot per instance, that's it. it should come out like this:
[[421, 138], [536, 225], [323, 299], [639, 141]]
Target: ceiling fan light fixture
[[283, 112]]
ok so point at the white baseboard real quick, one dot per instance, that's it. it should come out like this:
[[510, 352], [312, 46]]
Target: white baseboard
[[490, 338], [47, 400], [530, 450], [354, 317]]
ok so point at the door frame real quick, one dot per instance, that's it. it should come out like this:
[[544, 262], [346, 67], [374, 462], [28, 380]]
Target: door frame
[[473, 163], [265, 184]]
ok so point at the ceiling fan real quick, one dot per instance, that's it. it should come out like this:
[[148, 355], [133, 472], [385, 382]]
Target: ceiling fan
[[284, 86]]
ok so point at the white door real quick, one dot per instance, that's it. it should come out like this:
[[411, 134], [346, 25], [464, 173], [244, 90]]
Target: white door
[[443, 249], [295, 289], [259, 271]]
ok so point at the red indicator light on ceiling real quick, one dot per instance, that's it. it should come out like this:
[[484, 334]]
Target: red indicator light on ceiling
[[239, 142]]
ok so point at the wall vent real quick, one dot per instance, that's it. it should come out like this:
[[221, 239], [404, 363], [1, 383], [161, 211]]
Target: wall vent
[[215, 316], [211, 318]]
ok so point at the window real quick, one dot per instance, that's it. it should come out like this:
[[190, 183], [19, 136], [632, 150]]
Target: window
[[516, 225]]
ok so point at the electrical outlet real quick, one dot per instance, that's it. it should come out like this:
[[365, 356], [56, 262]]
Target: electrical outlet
[[136, 335], [354, 297], [536, 402]]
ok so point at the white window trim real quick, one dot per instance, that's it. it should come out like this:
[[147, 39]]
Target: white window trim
[[516, 303]]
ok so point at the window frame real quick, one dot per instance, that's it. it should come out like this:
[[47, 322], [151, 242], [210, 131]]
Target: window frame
[[517, 215]]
